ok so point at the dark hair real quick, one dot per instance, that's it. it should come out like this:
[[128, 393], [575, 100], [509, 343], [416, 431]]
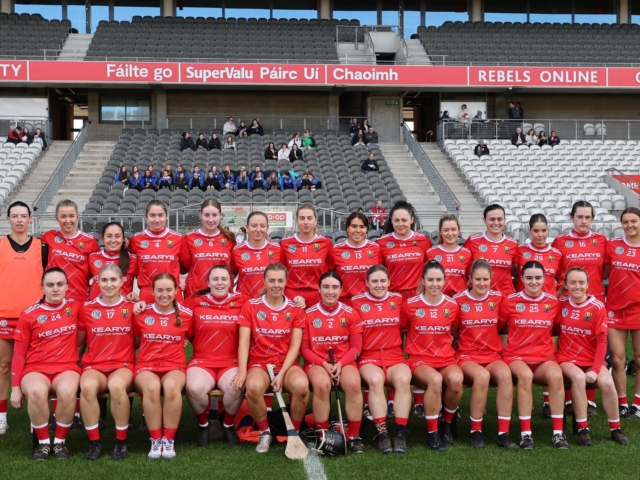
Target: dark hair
[[360, 216], [212, 202], [377, 268], [430, 265], [255, 214], [156, 203], [532, 264], [330, 274], [537, 217], [582, 204], [632, 210], [22, 204], [491, 208], [125, 258], [402, 205], [47, 272], [176, 306], [207, 290]]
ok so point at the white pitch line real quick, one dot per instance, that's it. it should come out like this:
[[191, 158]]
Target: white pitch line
[[314, 468]]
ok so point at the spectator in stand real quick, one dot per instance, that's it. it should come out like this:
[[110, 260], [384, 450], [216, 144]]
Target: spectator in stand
[[518, 138], [182, 181], [445, 116], [212, 182], [135, 181], [464, 115], [135, 169], [257, 170], [307, 142], [149, 180], [295, 140], [283, 153], [155, 175], [379, 216], [241, 235], [165, 181], [520, 110], [358, 139], [39, 137], [242, 130], [229, 127], [201, 143], [531, 137], [243, 182], [26, 136], [308, 182], [214, 143], [15, 135], [354, 127], [371, 137], [295, 153], [122, 176], [180, 170], [365, 126], [481, 149], [197, 181], [255, 128], [542, 139], [229, 143], [513, 112], [257, 180], [167, 167], [287, 183], [228, 178], [554, 139], [479, 118], [187, 142], [370, 164], [273, 183], [270, 153]]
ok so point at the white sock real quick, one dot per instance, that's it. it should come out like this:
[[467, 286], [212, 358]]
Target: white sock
[[3, 416]]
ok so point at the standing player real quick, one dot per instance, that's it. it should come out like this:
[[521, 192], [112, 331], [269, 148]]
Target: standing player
[[271, 333], [539, 251], [105, 326], [214, 335], [530, 316], [305, 255], [22, 261], [582, 346], [431, 319], [382, 361], [479, 355], [403, 250], [499, 250], [332, 324], [623, 303], [352, 258], [251, 258], [158, 249], [45, 360], [160, 332], [115, 252], [208, 246]]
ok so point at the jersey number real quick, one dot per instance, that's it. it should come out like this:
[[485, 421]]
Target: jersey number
[[163, 322], [533, 307]]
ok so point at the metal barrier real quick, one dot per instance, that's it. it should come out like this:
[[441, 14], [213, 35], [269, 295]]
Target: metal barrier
[[441, 188], [59, 175]]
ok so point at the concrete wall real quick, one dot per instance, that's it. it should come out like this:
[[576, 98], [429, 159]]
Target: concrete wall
[[386, 119]]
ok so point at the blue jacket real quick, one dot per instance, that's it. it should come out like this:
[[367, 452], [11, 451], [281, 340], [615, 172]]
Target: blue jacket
[[288, 184], [199, 182], [267, 184], [161, 182], [243, 184], [117, 179], [187, 143], [231, 180], [133, 183], [314, 182], [149, 180]]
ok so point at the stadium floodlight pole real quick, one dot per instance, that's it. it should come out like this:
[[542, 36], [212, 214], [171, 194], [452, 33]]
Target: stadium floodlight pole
[[336, 389], [296, 449]]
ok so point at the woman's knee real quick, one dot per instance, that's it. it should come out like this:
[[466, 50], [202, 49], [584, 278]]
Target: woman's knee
[[322, 387], [255, 390], [455, 380], [524, 377]]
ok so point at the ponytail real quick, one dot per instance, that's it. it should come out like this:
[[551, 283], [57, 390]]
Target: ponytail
[[212, 202], [177, 321], [125, 259]]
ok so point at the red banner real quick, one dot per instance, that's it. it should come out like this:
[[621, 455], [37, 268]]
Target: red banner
[[104, 72], [624, 77], [11, 71], [632, 182], [538, 76], [396, 75], [277, 74]]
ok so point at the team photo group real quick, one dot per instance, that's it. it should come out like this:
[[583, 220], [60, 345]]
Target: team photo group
[[401, 325]]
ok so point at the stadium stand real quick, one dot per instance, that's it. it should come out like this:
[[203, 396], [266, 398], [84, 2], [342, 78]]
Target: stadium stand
[[15, 161], [545, 43], [547, 180], [310, 41], [31, 36]]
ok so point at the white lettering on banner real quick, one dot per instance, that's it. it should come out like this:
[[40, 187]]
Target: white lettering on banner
[[277, 73], [15, 68], [370, 75], [569, 76], [126, 70], [230, 73], [160, 74], [499, 76], [545, 76]]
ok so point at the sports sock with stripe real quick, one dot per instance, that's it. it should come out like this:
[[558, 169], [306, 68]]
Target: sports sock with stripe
[[556, 422], [155, 434], [418, 397], [525, 425], [401, 423], [582, 423], [122, 432], [447, 415], [228, 419], [614, 424], [42, 432], [353, 428], [622, 401], [504, 423], [263, 425], [545, 397], [476, 424], [62, 429], [591, 395], [203, 418], [170, 433], [93, 432], [432, 423]]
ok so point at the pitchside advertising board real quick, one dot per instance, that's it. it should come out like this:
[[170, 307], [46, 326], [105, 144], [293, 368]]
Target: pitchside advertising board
[[280, 217], [48, 72], [632, 182]]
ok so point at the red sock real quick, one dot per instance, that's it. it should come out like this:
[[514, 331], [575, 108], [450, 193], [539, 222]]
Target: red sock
[[380, 423], [220, 406], [3, 406], [504, 423], [155, 434], [268, 399], [623, 401], [476, 424], [263, 425], [93, 432], [170, 433], [591, 395], [297, 423], [353, 429], [613, 424], [54, 405], [401, 422], [62, 430], [545, 397], [391, 394], [365, 396], [323, 425], [42, 432], [525, 425], [447, 415], [203, 418], [556, 422], [77, 405], [418, 397], [636, 400], [229, 418], [567, 395], [582, 423], [432, 423], [121, 432]]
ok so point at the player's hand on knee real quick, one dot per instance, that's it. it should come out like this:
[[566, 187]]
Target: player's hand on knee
[[590, 376]]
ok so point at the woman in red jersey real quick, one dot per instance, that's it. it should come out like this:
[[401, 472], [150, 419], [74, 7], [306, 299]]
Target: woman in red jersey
[[208, 246], [623, 303], [431, 319], [382, 361], [45, 360], [499, 250], [214, 335], [271, 333], [69, 249], [403, 250], [479, 355], [105, 326], [160, 333], [582, 345], [539, 251], [352, 258], [115, 252], [251, 258], [305, 255], [333, 325], [158, 249], [530, 353]]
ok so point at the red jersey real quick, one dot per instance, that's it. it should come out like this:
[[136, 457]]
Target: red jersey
[[71, 254], [305, 261], [331, 329], [586, 251], [381, 339], [456, 264], [251, 263], [99, 259], [109, 335], [51, 334], [271, 330], [501, 255], [624, 273], [478, 336], [157, 253], [214, 329], [530, 322], [578, 327], [161, 341], [551, 260], [352, 264], [429, 330], [199, 252], [404, 258]]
